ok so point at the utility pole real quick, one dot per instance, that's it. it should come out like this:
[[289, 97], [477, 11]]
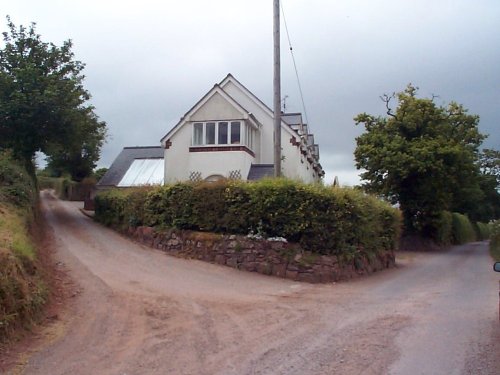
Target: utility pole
[[277, 91]]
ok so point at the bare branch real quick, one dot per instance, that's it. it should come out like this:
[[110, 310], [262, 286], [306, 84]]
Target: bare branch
[[387, 99]]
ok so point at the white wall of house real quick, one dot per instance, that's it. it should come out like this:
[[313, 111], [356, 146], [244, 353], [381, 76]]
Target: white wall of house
[[177, 156], [220, 163], [294, 165], [216, 108]]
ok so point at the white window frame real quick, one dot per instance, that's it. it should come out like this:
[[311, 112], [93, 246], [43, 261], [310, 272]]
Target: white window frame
[[243, 136]]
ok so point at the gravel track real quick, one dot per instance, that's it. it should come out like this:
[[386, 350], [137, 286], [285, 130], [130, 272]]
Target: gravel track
[[139, 311]]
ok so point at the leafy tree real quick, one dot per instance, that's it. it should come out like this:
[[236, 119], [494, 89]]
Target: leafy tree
[[99, 173], [489, 162], [421, 156], [489, 182], [43, 104]]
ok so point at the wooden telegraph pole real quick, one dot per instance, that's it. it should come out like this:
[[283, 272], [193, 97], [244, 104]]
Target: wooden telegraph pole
[[277, 91]]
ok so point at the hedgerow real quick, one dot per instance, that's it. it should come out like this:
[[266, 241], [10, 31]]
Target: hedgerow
[[495, 240], [22, 291], [462, 229], [322, 219]]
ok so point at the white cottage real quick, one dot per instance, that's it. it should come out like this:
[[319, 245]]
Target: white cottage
[[229, 134]]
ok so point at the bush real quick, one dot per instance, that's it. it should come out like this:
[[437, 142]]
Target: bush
[[439, 227], [495, 240], [16, 185], [22, 292], [462, 229], [482, 231], [322, 219]]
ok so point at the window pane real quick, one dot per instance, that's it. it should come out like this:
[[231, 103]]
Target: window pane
[[235, 132], [210, 133], [222, 139], [198, 133]]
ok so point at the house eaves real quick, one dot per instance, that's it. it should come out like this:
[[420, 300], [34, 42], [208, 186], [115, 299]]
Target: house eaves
[[255, 99]]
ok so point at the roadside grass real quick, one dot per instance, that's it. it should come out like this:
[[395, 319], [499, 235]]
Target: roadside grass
[[23, 291], [14, 234]]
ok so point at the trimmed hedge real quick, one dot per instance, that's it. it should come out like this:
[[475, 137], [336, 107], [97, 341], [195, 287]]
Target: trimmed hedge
[[321, 219], [463, 230], [483, 231], [495, 240], [448, 228]]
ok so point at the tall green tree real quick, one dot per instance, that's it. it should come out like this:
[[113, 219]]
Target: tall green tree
[[421, 156], [43, 104]]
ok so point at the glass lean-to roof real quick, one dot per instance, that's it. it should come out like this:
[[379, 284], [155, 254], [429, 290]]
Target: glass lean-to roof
[[143, 172]]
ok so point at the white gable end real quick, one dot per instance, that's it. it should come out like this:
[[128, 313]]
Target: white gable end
[[217, 108]]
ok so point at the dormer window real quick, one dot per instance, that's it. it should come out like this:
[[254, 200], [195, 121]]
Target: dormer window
[[217, 133]]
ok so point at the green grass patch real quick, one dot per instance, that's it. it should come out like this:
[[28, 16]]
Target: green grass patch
[[22, 290], [14, 234]]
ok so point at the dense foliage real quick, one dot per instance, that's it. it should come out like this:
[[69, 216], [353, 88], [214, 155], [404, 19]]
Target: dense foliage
[[495, 240], [322, 219], [43, 104], [426, 158], [22, 291]]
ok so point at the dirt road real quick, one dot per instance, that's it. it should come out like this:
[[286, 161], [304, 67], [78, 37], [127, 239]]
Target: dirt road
[[142, 312]]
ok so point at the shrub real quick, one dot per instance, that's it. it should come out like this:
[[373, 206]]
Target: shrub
[[482, 231], [22, 292], [462, 229], [495, 240], [121, 208], [322, 219], [439, 227], [16, 185]]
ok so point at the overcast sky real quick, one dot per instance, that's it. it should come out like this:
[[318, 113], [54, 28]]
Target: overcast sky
[[147, 62]]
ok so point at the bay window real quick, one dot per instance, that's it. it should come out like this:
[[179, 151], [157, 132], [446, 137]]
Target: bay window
[[217, 133], [210, 133]]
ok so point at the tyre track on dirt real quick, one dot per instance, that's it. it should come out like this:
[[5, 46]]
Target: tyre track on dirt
[[142, 312]]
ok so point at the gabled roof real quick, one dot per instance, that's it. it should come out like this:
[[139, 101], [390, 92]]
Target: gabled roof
[[217, 89], [125, 159], [256, 100], [260, 103]]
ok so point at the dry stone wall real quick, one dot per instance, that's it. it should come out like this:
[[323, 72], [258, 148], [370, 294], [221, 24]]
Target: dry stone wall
[[269, 257]]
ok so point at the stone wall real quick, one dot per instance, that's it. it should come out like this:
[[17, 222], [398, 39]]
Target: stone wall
[[269, 257]]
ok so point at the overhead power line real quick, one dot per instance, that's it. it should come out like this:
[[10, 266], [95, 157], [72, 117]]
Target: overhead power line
[[294, 64]]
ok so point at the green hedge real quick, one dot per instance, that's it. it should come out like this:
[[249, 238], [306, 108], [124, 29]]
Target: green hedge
[[463, 230], [322, 219], [448, 228], [16, 185], [22, 290], [483, 231], [439, 228], [495, 240]]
